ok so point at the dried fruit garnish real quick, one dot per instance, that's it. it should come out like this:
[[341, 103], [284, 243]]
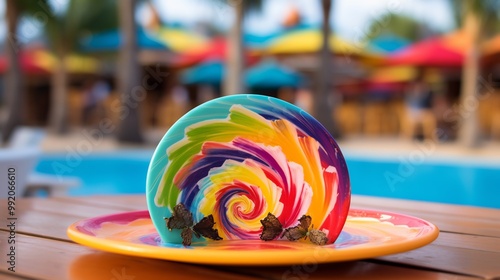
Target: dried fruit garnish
[[187, 236], [183, 219], [299, 231], [205, 228], [317, 237], [302, 231], [272, 227]]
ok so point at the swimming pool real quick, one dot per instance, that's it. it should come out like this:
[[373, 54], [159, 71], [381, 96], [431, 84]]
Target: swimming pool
[[453, 182], [101, 173]]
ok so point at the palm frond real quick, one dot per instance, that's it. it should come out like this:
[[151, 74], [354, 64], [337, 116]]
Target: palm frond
[[65, 28], [396, 24], [486, 10]]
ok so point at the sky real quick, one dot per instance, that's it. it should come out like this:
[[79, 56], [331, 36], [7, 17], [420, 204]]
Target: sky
[[350, 18]]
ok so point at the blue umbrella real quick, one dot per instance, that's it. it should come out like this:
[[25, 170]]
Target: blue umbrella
[[111, 41], [261, 41], [270, 74], [388, 43], [258, 41], [209, 73]]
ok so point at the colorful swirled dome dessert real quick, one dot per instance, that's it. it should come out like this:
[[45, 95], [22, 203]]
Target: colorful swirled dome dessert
[[243, 156]]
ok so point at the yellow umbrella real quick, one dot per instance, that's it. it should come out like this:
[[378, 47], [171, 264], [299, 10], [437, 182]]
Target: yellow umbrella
[[393, 74], [74, 63], [307, 41], [180, 40]]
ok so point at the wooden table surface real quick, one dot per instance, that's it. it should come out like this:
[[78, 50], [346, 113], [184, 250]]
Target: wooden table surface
[[468, 246]]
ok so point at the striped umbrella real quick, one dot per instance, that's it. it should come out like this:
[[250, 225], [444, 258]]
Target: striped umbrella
[[180, 39], [112, 40], [42, 62]]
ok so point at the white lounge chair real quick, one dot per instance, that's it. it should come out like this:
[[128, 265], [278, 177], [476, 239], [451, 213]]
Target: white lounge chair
[[16, 165], [22, 154]]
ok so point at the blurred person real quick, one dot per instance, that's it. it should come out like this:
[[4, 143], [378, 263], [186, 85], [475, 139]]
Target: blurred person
[[180, 95], [419, 114], [95, 92]]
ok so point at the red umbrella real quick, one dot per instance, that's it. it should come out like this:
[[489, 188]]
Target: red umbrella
[[216, 50], [28, 61], [431, 52]]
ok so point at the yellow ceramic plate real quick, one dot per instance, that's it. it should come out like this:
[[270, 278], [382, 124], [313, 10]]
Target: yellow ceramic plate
[[366, 234]]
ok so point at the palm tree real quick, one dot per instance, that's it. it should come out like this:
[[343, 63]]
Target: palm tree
[[402, 26], [14, 90], [233, 82], [469, 134], [64, 30], [13, 82], [324, 102], [477, 17], [129, 127]]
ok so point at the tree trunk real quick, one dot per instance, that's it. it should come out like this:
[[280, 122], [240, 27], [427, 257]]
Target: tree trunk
[[469, 128], [14, 91], [58, 119], [131, 92], [233, 81], [324, 99]]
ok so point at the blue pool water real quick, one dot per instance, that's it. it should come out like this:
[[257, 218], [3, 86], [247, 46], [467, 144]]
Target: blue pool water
[[447, 182], [104, 173]]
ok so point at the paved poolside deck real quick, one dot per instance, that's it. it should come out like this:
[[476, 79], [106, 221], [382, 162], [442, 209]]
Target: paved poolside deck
[[389, 147]]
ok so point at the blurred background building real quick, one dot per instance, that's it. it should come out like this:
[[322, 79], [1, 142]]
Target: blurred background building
[[403, 69]]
